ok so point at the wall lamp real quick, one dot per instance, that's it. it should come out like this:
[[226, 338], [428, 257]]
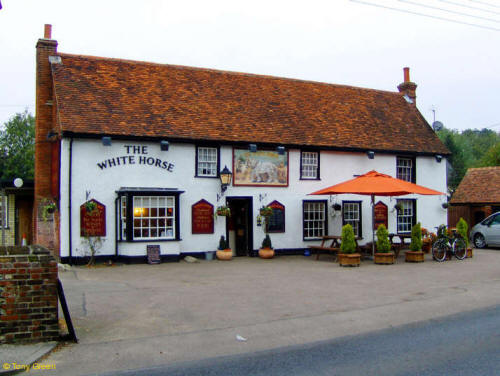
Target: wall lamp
[[439, 158], [280, 150], [252, 148], [225, 180], [370, 154], [164, 145], [106, 141]]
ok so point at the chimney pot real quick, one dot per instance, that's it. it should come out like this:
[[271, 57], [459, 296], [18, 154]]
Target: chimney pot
[[406, 71], [48, 31]]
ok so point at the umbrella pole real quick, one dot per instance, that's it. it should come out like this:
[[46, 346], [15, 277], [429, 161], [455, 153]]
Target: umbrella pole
[[373, 225]]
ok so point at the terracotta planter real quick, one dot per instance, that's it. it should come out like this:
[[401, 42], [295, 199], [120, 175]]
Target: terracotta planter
[[414, 256], [385, 258], [225, 255], [469, 253], [349, 259], [266, 253]]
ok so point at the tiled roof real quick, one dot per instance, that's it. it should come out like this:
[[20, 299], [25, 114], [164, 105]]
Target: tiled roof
[[129, 98], [479, 186]]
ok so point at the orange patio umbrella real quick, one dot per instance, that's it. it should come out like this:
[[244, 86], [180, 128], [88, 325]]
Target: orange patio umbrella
[[373, 184]]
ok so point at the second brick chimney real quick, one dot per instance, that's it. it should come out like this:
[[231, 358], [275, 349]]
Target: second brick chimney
[[408, 88]]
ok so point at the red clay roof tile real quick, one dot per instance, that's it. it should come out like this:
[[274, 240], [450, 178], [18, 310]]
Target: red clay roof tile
[[129, 98]]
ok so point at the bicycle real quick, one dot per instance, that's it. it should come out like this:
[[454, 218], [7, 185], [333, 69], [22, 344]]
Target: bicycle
[[445, 244]]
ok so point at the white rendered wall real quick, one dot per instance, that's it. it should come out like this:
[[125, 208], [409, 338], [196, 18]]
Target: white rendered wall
[[335, 168]]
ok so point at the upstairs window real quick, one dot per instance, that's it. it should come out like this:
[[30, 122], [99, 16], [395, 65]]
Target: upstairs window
[[309, 165], [207, 162], [405, 169]]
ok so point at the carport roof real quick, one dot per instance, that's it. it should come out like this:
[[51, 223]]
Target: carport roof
[[479, 186]]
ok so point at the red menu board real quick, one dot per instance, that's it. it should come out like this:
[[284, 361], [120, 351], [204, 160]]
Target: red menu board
[[202, 217], [380, 215], [93, 223]]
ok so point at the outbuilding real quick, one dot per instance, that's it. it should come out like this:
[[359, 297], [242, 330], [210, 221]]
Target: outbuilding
[[148, 144]]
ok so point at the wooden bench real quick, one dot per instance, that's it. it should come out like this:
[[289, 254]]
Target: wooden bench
[[333, 248]]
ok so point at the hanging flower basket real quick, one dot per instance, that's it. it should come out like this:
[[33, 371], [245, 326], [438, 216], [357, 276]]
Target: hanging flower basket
[[223, 211], [266, 211]]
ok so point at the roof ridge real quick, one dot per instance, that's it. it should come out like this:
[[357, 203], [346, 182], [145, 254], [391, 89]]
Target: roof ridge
[[221, 71], [485, 168]]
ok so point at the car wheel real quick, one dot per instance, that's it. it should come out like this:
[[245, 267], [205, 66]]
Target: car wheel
[[479, 241]]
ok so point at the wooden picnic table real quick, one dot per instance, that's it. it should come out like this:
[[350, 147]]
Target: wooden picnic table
[[396, 247], [330, 244]]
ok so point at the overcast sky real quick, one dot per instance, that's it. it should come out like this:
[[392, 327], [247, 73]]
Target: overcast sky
[[456, 66]]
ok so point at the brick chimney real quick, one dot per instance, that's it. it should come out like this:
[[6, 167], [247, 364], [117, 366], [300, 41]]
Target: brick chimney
[[46, 148], [408, 88]]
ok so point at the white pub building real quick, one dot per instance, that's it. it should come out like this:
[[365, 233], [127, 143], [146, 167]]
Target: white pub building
[[146, 144]]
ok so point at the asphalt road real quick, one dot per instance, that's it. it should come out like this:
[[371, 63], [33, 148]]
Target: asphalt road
[[462, 344]]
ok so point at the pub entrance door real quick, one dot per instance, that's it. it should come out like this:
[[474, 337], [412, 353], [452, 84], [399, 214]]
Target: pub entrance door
[[239, 226]]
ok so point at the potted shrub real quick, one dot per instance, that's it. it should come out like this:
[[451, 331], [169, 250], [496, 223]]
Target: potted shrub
[[224, 252], [383, 255], [415, 253], [266, 251], [462, 230], [348, 255]]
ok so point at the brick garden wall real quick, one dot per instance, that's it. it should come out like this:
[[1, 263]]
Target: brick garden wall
[[28, 295]]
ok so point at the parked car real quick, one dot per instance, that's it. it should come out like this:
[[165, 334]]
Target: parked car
[[487, 232]]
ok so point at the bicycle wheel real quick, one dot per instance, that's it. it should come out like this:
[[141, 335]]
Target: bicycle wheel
[[439, 249], [460, 248]]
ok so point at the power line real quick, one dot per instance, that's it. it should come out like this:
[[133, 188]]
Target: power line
[[468, 6], [448, 10], [425, 15], [484, 3]]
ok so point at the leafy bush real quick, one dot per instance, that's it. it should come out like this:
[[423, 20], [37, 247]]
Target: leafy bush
[[266, 243], [383, 244], [416, 238], [348, 244], [223, 244], [462, 229]]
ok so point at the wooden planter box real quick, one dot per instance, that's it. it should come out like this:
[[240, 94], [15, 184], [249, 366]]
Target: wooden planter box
[[469, 253], [351, 259], [266, 253], [385, 258], [225, 255], [414, 256]]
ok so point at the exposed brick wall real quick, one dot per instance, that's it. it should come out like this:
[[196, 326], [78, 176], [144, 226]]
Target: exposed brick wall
[[28, 295], [46, 159]]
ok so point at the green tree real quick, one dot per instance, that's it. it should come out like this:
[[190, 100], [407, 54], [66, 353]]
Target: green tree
[[491, 157], [457, 161], [17, 147]]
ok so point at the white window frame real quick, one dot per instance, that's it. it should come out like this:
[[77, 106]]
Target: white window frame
[[405, 216], [314, 219], [351, 214], [206, 164], [309, 165], [147, 216], [404, 168]]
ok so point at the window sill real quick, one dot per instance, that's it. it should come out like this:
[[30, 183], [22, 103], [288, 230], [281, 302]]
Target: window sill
[[206, 177], [313, 179], [149, 241]]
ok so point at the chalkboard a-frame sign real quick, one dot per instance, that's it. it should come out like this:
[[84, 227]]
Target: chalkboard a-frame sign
[[153, 252]]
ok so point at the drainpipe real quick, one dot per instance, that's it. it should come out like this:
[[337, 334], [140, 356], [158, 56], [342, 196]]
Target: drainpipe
[[69, 199]]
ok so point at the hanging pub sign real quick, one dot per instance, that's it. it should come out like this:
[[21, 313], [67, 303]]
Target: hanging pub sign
[[202, 217], [92, 219], [380, 215]]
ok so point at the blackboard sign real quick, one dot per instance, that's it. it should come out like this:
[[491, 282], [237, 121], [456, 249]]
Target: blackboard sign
[[153, 252], [276, 222], [93, 223], [380, 215], [202, 218]]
